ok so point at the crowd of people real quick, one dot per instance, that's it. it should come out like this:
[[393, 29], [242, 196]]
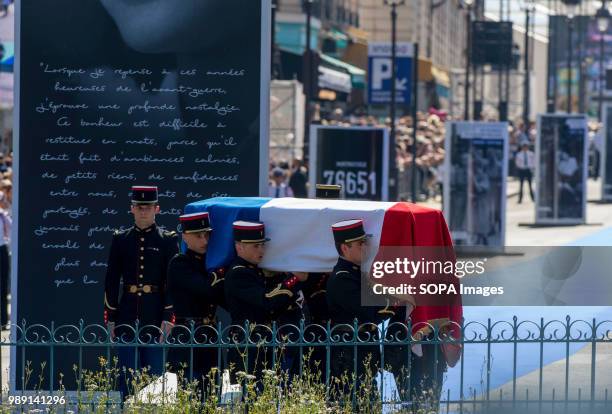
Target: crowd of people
[[430, 153]]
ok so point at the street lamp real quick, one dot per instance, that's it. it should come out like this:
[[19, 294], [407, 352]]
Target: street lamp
[[571, 9], [275, 72], [603, 21], [468, 58], [392, 161], [307, 78], [526, 90]]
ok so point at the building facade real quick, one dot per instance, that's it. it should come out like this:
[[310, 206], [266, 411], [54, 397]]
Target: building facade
[[434, 24]]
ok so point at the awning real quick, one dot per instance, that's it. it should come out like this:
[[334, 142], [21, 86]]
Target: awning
[[290, 31], [425, 67], [341, 38], [333, 74], [333, 79], [357, 35], [334, 42], [357, 75], [441, 77]]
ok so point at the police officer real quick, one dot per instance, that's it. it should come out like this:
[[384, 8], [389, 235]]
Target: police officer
[[138, 261], [344, 298], [251, 298], [195, 294]]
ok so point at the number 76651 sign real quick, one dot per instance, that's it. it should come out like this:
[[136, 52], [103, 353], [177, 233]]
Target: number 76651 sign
[[354, 183]]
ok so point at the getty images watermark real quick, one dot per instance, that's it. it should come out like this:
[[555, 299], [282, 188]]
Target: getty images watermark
[[409, 269], [516, 276]]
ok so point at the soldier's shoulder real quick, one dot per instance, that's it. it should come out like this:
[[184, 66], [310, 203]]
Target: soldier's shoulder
[[340, 270], [339, 277], [169, 234], [179, 260], [121, 232], [238, 268], [219, 271], [179, 257]]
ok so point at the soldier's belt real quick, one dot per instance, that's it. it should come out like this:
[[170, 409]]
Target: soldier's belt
[[141, 289]]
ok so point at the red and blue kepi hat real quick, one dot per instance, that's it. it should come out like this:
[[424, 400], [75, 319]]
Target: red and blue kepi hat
[[144, 194], [249, 232], [348, 231], [194, 223]]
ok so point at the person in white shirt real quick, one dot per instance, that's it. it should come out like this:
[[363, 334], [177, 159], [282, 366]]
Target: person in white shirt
[[525, 163], [278, 186]]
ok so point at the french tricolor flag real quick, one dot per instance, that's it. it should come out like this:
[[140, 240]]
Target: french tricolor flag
[[301, 238]]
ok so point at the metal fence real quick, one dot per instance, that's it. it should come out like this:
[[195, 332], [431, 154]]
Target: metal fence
[[553, 395]]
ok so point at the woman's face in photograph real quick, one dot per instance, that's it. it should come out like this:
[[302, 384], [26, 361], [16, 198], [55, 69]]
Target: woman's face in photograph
[[171, 26]]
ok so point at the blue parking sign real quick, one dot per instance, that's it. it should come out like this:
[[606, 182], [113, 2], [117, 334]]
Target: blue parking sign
[[379, 72]]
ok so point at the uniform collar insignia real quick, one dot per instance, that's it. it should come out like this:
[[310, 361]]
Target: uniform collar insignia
[[246, 263], [347, 263], [193, 254], [145, 230]]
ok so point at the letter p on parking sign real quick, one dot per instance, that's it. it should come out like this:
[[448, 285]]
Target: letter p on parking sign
[[380, 72]]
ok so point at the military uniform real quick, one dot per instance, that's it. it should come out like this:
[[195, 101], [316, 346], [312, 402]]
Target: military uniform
[[288, 321], [315, 288], [251, 297], [195, 294], [139, 258], [344, 297], [344, 301], [135, 287], [315, 294]]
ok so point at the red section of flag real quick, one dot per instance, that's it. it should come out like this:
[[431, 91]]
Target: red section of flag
[[407, 224]]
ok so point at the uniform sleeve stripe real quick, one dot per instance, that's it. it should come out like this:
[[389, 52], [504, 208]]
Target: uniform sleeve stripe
[[278, 291]]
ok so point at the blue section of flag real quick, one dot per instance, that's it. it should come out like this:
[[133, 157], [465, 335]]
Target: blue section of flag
[[223, 212]]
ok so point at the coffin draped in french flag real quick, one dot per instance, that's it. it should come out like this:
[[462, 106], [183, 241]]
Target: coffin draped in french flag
[[301, 238]]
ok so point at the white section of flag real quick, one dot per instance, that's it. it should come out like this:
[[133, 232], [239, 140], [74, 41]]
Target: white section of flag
[[301, 235]]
